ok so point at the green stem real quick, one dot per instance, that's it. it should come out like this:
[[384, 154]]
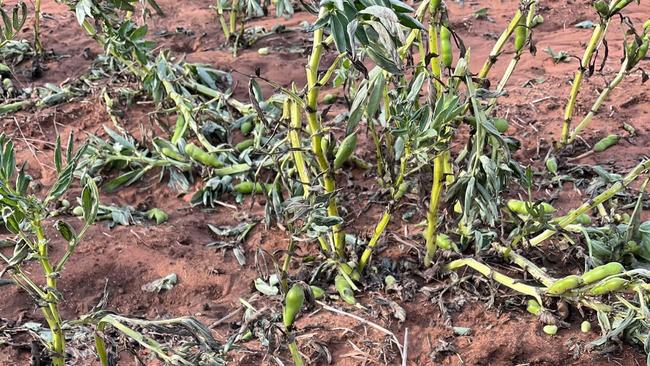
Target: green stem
[[396, 195], [100, 345], [51, 312], [599, 102], [233, 16], [592, 203], [430, 234], [295, 126], [528, 266], [295, 353], [596, 36], [315, 127], [38, 45], [498, 46], [496, 276]]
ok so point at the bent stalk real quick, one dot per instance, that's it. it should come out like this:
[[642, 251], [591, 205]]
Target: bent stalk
[[606, 195], [597, 35]]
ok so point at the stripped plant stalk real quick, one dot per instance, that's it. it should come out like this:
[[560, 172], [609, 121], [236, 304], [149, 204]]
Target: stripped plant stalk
[[232, 28], [292, 110], [498, 46], [38, 45], [596, 39], [397, 192], [592, 203], [599, 102], [538, 274], [577, 80], [222, 19], [633, 55], [442, 158], [315, 129], [488, 272], [430, 235], [519, 50], [295, 126]]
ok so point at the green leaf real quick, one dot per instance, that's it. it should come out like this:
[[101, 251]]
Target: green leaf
[[123, 180], [357, 108], [158, 215], [58, 159]]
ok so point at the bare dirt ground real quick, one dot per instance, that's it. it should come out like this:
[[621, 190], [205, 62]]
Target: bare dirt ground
[[212, 282]]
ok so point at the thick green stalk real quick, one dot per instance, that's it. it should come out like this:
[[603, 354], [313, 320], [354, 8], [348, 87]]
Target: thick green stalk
[[430, 235], [338, 236], [439, 162], [496, 276], [601, 99], [498, 46], [596, 37], [233, 16], [51, 312], [295, 126], [38, 45], [592, 203]]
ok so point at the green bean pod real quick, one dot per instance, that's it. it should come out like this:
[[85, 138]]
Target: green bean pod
[[317, 292], [329, 99], [293, 302], [564, 284], [446, 54], [534, 307], [345, 150], [344, 289], [244, 145], [248, 187], [501, 124], [519, 207], [606, 143], [607, 286], [202, 156], [173, 154], [551, 164], [550, 329], [521, 35], [600, 272], [246, 127]]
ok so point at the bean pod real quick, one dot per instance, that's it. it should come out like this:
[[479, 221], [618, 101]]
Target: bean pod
[[446, 54], [344, 289], [606, 143], [293, 302], [607, 286], [600, 272], [202, 156], [564, 284], [345, 150]]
